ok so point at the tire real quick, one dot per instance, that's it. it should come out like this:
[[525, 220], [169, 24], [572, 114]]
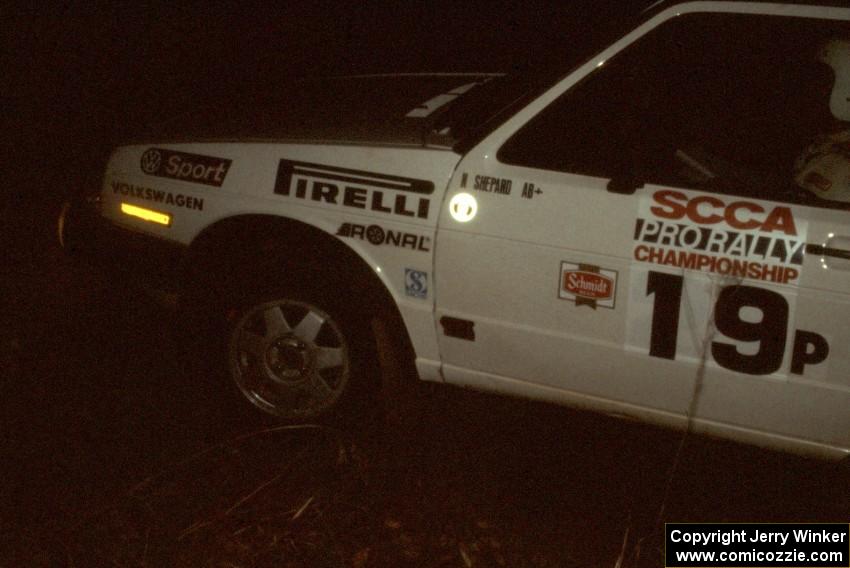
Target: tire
[[301, 353]]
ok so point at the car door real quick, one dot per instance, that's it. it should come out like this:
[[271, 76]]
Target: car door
[[640, 243], [755, 175], [533, 290]]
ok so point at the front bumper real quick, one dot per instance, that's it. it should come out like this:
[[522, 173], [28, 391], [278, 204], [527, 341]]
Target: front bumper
[[153, 264]]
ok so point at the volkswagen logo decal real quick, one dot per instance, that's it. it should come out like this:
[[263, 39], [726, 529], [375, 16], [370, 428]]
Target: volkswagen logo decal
[[151, 161]]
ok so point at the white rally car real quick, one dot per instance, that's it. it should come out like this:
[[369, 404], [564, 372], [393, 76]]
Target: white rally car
[[658, 229]]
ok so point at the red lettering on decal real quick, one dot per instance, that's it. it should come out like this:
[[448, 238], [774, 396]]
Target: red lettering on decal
[[694, 210], [780, 219], [588, 284], [666, 198], [711, 210], [736, 222]]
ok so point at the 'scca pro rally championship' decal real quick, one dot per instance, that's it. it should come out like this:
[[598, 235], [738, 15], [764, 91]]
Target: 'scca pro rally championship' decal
[[394, 195], [722, 268], [729, 236], [184, 166]]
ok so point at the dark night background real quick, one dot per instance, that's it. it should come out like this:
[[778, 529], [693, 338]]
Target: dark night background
[[96, 395], [83, 79]]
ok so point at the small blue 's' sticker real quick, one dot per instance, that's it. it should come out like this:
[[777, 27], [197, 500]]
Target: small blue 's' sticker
[[415, 283]]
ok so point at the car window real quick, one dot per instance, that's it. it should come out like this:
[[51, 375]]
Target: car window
[[736, 104]]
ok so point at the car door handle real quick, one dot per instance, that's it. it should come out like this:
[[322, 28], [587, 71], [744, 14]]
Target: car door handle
[[821, 250]]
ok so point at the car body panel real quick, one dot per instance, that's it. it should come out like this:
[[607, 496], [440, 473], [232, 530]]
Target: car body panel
[[249, 188]]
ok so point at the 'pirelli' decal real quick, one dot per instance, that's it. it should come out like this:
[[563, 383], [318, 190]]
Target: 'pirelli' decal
[[354, 188]]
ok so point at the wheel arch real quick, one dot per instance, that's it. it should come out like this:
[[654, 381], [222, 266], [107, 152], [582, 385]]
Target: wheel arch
[[221, 246]]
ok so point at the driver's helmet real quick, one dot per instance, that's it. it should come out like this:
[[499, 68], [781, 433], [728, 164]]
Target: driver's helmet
[[824, 168], [836, 54]]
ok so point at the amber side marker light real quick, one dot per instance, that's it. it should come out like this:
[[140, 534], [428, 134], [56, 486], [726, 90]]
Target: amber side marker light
[[146, 214]]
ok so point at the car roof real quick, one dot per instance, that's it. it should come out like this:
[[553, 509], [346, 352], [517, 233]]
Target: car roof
[[662, 5]]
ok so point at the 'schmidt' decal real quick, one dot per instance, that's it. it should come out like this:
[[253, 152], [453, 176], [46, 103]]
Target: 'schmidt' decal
[[393, 195], [587, 285]]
